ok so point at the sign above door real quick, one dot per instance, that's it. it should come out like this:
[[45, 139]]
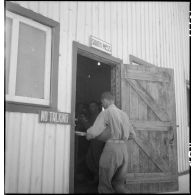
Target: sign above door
[[100, 45]]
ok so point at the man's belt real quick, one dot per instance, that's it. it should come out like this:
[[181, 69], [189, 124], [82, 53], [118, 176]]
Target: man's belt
[[115, 141]]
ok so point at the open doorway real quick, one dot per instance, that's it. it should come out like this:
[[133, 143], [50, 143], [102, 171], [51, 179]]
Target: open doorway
[[93, 78], [94, 72]]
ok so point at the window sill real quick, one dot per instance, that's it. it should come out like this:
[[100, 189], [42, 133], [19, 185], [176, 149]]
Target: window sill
[[28, 100], [27, 108]]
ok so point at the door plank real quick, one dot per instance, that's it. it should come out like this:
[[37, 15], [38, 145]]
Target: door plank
[[146, 76], [118, 85], [112, 82], [162, 115], [150, 177], [133, 147], [149, 150], [125, 90], [151, 89], [142, 109], [131, 180], [169, 186], [138, 61], [172, 110], [151, 125]]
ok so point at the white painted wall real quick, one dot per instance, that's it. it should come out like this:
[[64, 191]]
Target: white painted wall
[[184, 185], [37, 155]]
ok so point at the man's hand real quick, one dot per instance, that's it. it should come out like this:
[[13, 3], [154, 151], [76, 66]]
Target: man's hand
[[89, 136]]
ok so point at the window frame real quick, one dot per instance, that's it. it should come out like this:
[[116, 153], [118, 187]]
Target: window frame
[[11, 96], [27, 104]]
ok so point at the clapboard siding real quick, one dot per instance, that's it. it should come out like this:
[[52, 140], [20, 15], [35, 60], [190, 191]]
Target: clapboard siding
[[37, 155]]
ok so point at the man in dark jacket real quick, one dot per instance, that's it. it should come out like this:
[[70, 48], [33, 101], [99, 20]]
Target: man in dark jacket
[[95, 147]]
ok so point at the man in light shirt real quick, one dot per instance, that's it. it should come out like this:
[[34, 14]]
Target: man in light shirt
[[113, 163]]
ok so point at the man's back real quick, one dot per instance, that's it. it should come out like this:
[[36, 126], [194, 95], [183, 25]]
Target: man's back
[[113, 163], [118, 122], [115, 120], [114, 159]]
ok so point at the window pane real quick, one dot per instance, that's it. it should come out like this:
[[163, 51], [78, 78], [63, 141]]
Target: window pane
[[8, 33], [31, 62]]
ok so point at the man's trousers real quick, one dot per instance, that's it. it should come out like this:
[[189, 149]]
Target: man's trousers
[[113, 167]]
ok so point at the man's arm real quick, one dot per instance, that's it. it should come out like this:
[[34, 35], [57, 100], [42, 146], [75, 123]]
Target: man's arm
[[105, 135], [98, 126]]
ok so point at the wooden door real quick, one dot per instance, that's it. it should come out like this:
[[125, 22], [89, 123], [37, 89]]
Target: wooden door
[[148, 98]]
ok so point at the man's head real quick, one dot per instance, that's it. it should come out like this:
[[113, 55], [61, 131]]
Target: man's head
[[107, 99], [93, 107], [82, 109]]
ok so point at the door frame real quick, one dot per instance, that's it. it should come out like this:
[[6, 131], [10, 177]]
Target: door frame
[[78, 48]]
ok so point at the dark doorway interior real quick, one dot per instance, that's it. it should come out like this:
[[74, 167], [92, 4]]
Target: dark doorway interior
[[92, 79]]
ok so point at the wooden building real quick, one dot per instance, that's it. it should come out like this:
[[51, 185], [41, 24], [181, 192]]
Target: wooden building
[[51, 64]]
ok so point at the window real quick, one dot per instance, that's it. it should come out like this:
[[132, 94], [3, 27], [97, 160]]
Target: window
[[28, 52], [31, 58]]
